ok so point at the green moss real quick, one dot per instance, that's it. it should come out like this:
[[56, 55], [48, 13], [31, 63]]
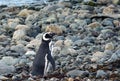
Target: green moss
[[90, 3]]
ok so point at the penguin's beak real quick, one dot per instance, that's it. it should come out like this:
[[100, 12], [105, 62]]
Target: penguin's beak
[[52, 34]]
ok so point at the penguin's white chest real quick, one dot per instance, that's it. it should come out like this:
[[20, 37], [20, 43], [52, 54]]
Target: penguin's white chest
[[46, 64]]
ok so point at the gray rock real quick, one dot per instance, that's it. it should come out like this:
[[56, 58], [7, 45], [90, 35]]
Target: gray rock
[[107, 22], [78, 73], [115, 56], [51, 19], [8, 60], [106, 33], [78, 60], [4, 40], [73, 38], [97, 56], [5, 69], [107, 55], [12, 23], [74, 27], [18, 48], [30, 53], [30, 18], [68, 50], [70, 18], [101, 74], [2, 51], [2, 30], [81, 43]]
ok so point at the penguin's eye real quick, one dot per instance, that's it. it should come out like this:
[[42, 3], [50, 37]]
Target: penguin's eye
[[48, 36]]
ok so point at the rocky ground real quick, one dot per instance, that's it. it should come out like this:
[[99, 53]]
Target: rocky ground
[[86, 48]]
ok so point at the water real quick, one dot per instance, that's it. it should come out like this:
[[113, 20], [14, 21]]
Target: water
[[20, 2]]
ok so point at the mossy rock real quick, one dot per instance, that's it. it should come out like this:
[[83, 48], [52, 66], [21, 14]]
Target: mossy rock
[[90, 3], [117, 2]]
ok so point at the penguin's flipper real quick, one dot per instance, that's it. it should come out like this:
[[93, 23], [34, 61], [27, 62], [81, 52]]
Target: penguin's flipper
[[51, 60]]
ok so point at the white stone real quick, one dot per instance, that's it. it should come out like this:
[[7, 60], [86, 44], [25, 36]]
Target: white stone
[[97, 56], [19, 35], [109, 46], [3, 78], [30, 52], [68, 42]]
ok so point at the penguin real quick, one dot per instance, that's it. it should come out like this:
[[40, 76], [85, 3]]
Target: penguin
[[43, 56]]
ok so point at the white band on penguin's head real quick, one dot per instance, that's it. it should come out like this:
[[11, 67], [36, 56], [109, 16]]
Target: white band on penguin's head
[[44, 38]]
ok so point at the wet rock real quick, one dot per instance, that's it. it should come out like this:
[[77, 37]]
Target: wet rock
[[78, 73]]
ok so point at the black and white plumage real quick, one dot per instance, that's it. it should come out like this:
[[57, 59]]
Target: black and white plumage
[[42, 57]]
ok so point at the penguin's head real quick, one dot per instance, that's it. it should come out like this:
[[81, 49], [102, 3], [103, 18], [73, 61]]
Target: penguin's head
[[48, 36]]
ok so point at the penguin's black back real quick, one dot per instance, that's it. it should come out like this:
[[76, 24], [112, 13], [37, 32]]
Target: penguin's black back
[[39, 61]]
